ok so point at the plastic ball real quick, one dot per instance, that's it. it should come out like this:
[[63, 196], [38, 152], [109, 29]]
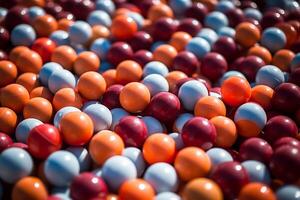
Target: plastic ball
[[142, 57], [16, 15], [269, 75], [61, 167], [256, 191], [286, 141], [76, 128], [153, 125], [216, 20], [45, 25], [218, 156], [198, 46], [80, 32], [5, 142], [8, 71], [117, 115], [227, 47], [181, 120], [99, 17], [110, 97], [82, 156], [213, 66], [38, 108], [65, 56], [287, 192], [100, 47], [29, 61], [261, 52], [179, 40], [247, 34], [85, 62], [23, 34], [117, 170], [257, 171], [137, 17], [15, 164], [209, 107], [44, 47], [202, 188], [209, 35], [60, 37], [118, 52], [165, 53], [61, 112], [156, 83], [282, 59], [24, 127], [155, 67], [162, 177], [163, 29], [61, 79], [28, 80], [8, 120], [158, 11], [136, 189], [167, 195], [186, 62], [273, 39], [34, 12], [66, 97], [136, 156], [29, 188], [128, 71], [104, 145], [262, 95]]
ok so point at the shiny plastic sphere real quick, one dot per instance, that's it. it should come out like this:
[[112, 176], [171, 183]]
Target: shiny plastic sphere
[[179, 40], [45, 25], [44, 47], [82, 156], [261, 52], [66, 97], [24, 127], [23, 34], [165, 53], [100, 47], [29, 61], [61, 112], [128, 71], [118, 52], [110, 97], [287, 192], [123, 27], [218, 156], [61, 79], [34, 12], [99, 17], [38, 108], [4, 37], [8, 120], [29, 188], [85, 62], [282, 59], [209, 107], [16, 15], [198, 46], [286, 141], [15, 164], [209, 35], [273, 39], [142, 57], [28, 80], [262, 95], [5, 141], [117, 115], [256, 191], [156, 83], [269, 75], [163, 29], [47, 70], [257, 171], [153, 125], [136, 156], [136, 189], [249, 66], [227, 47], [65, 56], [181, 120], [216, 20], [213, 66], [61, 167], [158, 11], [8, 71], [80, 32], [186, 62], [155, 67]]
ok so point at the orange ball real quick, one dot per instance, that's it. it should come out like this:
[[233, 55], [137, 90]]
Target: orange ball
[[29, 188], [65, 56], [91, 85], [202, 188], [38, 108], [42, 92], [104, 145], [28, 80], [128, 71], [15, 53], [179, 40], [136, 189], [165, 53], [159, 147], [44, 25], [262, 95], [29, 61], [99, 31], [112, 197], [257, 191], [209, 4], [8, 73], [64, 24], [173, 77], [261, 52], [76, 128], [8, 120], [85, 62], [158, 11], [66, 97], [226, 131], [134, 97], [14, 96], [209, 107], [247, 34], [289, 31], [282, 59], [235, 91], [192, 162], [123, 27], [110, 77]]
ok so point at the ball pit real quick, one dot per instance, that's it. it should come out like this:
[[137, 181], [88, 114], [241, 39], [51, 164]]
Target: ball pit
[[152, 99]]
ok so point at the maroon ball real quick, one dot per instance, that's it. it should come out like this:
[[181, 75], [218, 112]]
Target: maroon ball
[[278, 127], [132, 130], [4, 38], [118, 52], [199, 132], [256, 149], [179, 83], [285, 164], [16, 15], [142, 57], [295, 77], [65, 15], [53, 8], [293, 15], [110, 97], [197, 11], [250, 65], [213, 66], [164, 28], [186, 62], [270, 18], [88, 186], [82, 8], [3, 55], [5, 141], [290, 141], [231, 177], [295, 47], [190, 26], [164, 106], [248, 4], [234, 65], [227, 47], [286, 98], [235, 16], [141, 40], [253, 21], [145, 5]]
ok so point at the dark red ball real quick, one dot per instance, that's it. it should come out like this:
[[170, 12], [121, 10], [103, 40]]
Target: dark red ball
[[19, 145], [199, 132], [5, 141], [290, 141], [190, 26], [249, 66], [271, 18], [4, 38], [88, 186], [118, 52], [53, 8], [110, 97], [145, 5], [256, 149], [235, 16], [179, 83], [132, 130], [197, 11], [227, 47], [65, 15], [141, 40], [82, 8], [231, 177], [44, 47], [186, 62], [295, 77], [16, 15], [164, 28], [142, 57], [3, 55], [293, 15]]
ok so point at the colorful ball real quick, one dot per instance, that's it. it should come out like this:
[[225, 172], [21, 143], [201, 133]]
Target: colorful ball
[[99, 17], [60, 37], [136, 189], [256, 191], [80, 32], [262, 95], [156, 83], [247, 34], [45, 25], [209, 107], [198, 46], [38, 108], [8, 71], [273, 39], [117, 115], [23, 35], [5, 142], [181, 120], [218, 156], [123, 27], [100, 47], [82, 156], [128, 71], [29, 188], [61, 79], [24, 127], [287, 192], [167, 195], [66, 97], [153, 125], [155, 67], [61, 112], [213, 66], [257, 171], [65, 56], [165, 53], [216, 20], [269, 75], [100, 115], [136, 156], [8, 120], [282, 59]]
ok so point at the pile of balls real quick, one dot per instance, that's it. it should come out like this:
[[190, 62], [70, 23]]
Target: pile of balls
[[149, 99]]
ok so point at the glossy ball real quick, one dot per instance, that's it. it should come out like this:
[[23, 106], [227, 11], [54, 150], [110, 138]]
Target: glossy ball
[[29, 61], [44, 47], [273, 39], [16, 15], [142, 57], [181, 120], [227, 47], [261, 52], [249, 66], [66, 97], [23, 34], [186, 62], [80, 32], [287, 192], [156, 83], [136, 189], [283, 58], [65, 56], [179, 40], [60, 79], [213, 66], [257, 171], [24, 127], [256, 191], [269, 75], [117, 115], [209, 35], [28, 80], [165, 53], [163, 29], [8, 120], [155, 67], [136, 156], [110, 97], [118, 52], [128, 71], [99, 17], [218, 156], [29, 188], [198, 46], [158, 11], [61, 112], [216, 20], [262, 95], [8, 71], [123, 27], [82, 156], [209, 107], [45, 25], [85, 62], [38, 108], [4, 37]]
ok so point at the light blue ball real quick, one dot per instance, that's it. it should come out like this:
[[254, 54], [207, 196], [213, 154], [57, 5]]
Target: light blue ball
[[156, 83], [295, 63], [61, 167], [273, 39], [253, 13], [155, 67], [167, 196], [209, 35], [47, 70], [226, 31], [162, 177], [23, 35], [229, 74], [15, 163], [153, 125], [82, 156], [181, 120], [288, 192], [88, 103], [180, 6], [80, 32], [136, 156], [216, 20], [61, 79], [99, 17], [34, 12], [257, 171], [24, 127], [3, 13], [292, 5], [198, 46], [116, 170], [78, 48], [218, 156], [139, 19], [100, 47], [60, 113], [190, 92], [100, 115], [156, 44], [178, 140], [224, 6], [117, 115], [60, 37], [269, 75], [106, 5], [98, 172]]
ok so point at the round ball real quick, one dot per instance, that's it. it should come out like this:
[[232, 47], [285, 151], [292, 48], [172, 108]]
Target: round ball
[[209, 107], [85, 62], [8, 71], [136, 189], [128, 71], [256, 191], [66, 97], [24, 127], [29, 188], [8, 120], [38, 108]]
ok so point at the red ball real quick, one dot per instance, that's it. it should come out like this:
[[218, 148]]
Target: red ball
[[197, 11], [227, 47], [118, 52], [43, 140], [4, 38], [190, 26], [88, 186], [164, 28], [132, 130], [286, 141], [5, 141], [199, 132], [110, 97], [44, 47], [186, 62], [235, 16], [140, 40], [271, 18], [16, 15], [231, 177], [249, 66], [142, 57], [295, 77]]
